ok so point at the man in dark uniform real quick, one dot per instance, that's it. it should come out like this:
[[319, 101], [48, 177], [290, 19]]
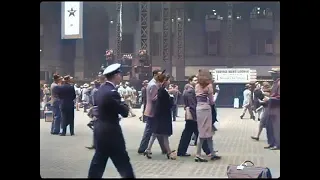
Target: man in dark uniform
[[67, 95], [94, 94], [107, 131]]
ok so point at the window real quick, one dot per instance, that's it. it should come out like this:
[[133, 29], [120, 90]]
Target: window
[[262, 43], [127, 43], [212, 43], [269, 43], [156, 44], [254, 46]]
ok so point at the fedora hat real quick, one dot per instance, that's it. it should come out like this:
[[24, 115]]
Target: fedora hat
[[86, 85], [274, 70]]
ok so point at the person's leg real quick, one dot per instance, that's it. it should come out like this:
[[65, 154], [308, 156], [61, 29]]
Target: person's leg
[[146, 136], [185, 138]]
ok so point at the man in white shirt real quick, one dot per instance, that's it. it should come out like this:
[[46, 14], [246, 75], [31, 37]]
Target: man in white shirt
[[126, 93], [247, 102]]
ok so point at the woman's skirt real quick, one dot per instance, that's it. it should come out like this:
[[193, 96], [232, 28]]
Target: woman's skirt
[[204, 120]]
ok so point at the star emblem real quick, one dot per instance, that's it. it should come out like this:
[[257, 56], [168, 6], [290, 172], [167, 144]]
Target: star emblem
[[71, 12]]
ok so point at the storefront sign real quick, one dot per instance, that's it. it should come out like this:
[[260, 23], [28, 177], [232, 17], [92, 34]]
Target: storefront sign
[[234, 75], [71, 20]]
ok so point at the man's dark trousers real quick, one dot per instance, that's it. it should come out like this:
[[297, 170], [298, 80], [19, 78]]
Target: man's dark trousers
[[174, 110], [147, 135], [56, 123], [190, 128], [269, 129]]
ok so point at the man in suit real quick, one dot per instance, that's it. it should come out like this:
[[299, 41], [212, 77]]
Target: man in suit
[[273, 123], [151, 94], [94, 94], [55, 104], [67, 94], [144, 99], [191, 127], [107, 130]]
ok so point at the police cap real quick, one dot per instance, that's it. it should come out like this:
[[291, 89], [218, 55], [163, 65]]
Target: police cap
[[112, 69]]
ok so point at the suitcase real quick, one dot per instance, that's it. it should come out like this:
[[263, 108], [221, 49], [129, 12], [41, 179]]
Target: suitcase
[[248, 171], [48, 116]]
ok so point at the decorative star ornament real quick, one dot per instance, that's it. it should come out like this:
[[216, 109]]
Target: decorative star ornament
[[71, 12]]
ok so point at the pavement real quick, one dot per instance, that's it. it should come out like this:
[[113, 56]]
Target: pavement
[[67, 157]]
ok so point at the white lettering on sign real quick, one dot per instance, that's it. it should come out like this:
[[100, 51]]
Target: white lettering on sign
[[233, 75]]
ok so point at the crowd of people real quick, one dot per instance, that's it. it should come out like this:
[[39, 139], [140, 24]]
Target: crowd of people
[[264, 101], [110, 100]]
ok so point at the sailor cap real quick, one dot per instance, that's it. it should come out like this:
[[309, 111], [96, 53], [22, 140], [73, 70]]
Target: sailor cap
[[112, 69]]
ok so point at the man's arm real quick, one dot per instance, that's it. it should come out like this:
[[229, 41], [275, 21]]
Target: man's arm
[[115, 101], [153, 92]]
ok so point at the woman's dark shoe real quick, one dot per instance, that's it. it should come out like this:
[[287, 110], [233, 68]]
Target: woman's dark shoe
[[172, 155], [147, 154], [200, 159], [184, 155], [268, 147], [215, 157], [255, 138]]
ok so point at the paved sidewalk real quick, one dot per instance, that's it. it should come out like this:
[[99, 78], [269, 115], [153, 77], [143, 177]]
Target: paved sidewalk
[[67, 157]]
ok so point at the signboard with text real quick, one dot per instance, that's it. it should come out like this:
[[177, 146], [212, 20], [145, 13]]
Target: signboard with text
[[72, 20], [234, 75]]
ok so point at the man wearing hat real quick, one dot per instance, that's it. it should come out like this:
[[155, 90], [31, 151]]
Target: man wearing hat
[[85, 97], [107, 130], [55, 104], [273, 123], [67, 95], [247, 102]]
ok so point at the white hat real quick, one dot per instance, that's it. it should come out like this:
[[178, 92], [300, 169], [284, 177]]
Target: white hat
[[113, 68], [86, 85]]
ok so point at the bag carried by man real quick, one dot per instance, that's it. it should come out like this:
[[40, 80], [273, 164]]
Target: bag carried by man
[[248, 171]]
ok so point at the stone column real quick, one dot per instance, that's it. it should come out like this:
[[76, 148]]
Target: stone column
[[79, 62]]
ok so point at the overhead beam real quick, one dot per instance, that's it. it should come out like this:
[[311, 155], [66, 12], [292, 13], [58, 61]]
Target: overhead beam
[[144, 20], [180, 46], [166, 37]]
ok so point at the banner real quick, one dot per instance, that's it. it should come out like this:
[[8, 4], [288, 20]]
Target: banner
[[234, 75], [72, 20]]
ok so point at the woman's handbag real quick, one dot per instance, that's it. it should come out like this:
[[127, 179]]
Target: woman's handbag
[[245, 171]]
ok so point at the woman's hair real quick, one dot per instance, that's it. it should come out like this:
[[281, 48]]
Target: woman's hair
[[204, 77], [162, 77], [191, 78]]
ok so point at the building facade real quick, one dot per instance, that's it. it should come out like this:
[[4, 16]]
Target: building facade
[[255, 37]]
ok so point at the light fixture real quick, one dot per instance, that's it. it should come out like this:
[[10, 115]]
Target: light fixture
[[179, 19], [213, 10], [221, 18], [40, 50], [229, 16], [172, 20], [111, 22], [215, 14], [189, 19], [258, 8]]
